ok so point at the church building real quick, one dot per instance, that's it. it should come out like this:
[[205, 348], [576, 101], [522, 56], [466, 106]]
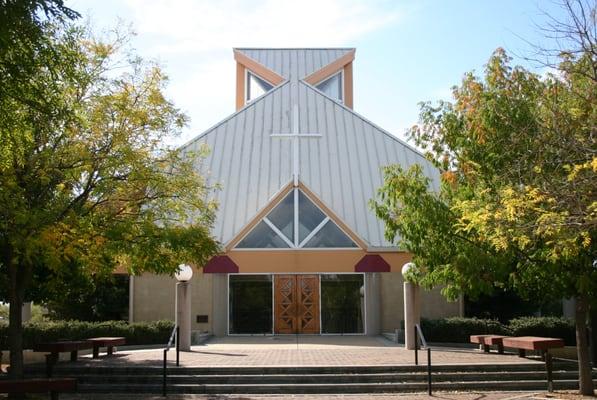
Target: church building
[[296, 168]]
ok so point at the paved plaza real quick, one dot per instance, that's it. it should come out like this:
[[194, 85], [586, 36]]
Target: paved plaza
[[305, 351]]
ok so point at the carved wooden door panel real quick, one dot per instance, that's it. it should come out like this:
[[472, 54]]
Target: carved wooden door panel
[[296, 304], [285, 304], [308, 304]]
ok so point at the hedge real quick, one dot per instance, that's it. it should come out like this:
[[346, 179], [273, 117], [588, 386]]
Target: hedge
[[137, 333], [458, 330], [545, 326]]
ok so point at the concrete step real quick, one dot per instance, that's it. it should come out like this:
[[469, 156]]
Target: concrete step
[[328, 378], [326, 388], [68, 368]]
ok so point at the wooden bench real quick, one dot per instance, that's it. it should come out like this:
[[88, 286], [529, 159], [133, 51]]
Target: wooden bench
[[489, 340], [524, 343], [55, 348], [54, 386], [108, 342]]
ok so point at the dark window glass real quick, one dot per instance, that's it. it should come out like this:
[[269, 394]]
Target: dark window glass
[[283, 216], [330, 236], [262, 237], [250, 304], [342, 304], [309, 216]]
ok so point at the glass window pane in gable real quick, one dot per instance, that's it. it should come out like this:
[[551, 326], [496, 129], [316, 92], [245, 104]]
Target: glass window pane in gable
[[256, 87], [262, 237], [330, 236], [309, 216], [332, 86], [283, 216]]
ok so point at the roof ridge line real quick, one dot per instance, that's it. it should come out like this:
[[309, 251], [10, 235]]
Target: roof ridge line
[[356, 114], [234, 114]]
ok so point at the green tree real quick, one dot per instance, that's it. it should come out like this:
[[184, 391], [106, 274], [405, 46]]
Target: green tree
[[517, 206], [85, 176]]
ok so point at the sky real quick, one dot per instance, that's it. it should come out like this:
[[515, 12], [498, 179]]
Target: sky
[[407, 51]]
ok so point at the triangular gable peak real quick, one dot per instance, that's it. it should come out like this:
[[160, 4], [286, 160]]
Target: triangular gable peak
[[258, 70], [296, 219]]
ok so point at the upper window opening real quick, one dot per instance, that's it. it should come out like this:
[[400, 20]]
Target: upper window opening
[[296, 222], [256, 86], [332, 86]]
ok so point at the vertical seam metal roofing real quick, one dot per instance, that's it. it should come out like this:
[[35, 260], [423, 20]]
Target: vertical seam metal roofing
[[294, 63], [343, 167]]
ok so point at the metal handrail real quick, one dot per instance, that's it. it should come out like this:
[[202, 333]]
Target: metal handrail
[[419, 336], [175, 335]]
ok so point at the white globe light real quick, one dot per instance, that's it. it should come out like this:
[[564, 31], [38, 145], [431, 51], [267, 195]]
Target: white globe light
[[184, 273], [409, 268]]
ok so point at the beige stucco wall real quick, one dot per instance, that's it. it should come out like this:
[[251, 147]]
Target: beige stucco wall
[[433, 304], [154, 298]]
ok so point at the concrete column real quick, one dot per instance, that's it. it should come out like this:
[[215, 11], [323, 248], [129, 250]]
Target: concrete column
[[372, 304], [131, 299], [183, 314], [412, 313], [220, 304], [26, 311]]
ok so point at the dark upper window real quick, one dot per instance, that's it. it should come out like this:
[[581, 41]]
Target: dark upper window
[[256, 86], [332, 86]]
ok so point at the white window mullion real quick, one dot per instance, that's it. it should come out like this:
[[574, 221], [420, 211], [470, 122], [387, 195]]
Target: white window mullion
[[314, 231], [278, 232], [296, 218]]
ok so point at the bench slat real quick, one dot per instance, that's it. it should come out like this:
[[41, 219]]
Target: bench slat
[[38, 385]]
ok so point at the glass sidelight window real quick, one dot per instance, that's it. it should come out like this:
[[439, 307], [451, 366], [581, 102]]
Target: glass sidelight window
[[342, 303], [250, 304]]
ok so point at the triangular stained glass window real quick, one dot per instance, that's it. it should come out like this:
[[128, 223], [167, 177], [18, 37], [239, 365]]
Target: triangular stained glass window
[[296, 210], [330, 236], [283, 216], [262, 237]]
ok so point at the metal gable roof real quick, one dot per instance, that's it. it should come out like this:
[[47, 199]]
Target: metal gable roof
[[294, 63], [343, 167]]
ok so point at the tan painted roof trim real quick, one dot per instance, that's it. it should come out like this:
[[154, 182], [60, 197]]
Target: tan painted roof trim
[[258, 68], [330, 69]]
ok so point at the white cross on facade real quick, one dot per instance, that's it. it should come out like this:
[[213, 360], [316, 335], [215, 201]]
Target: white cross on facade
[[295, 136]]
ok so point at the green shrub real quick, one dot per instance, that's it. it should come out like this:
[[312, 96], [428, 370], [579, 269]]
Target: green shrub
[[458, 329], [555, 327], [137, 333]]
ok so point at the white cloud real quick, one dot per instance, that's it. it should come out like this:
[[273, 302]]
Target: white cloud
[[192, 26], [194, 40]]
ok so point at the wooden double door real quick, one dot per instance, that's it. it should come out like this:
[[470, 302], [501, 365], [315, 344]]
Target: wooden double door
[[296, 304]]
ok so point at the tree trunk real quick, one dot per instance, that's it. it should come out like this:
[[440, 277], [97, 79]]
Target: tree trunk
[[593, 313], [582, 347], [15, 323]]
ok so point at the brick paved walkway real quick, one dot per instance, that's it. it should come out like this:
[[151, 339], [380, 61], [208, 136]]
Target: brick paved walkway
[[308, 350]]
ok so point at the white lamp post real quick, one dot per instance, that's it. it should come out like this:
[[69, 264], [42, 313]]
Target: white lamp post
[[412, 305], [182, 305]]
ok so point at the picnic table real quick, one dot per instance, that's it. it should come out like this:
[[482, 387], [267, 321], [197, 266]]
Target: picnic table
[[524, 343], [108, 342], [489, 340], [62, 346]]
